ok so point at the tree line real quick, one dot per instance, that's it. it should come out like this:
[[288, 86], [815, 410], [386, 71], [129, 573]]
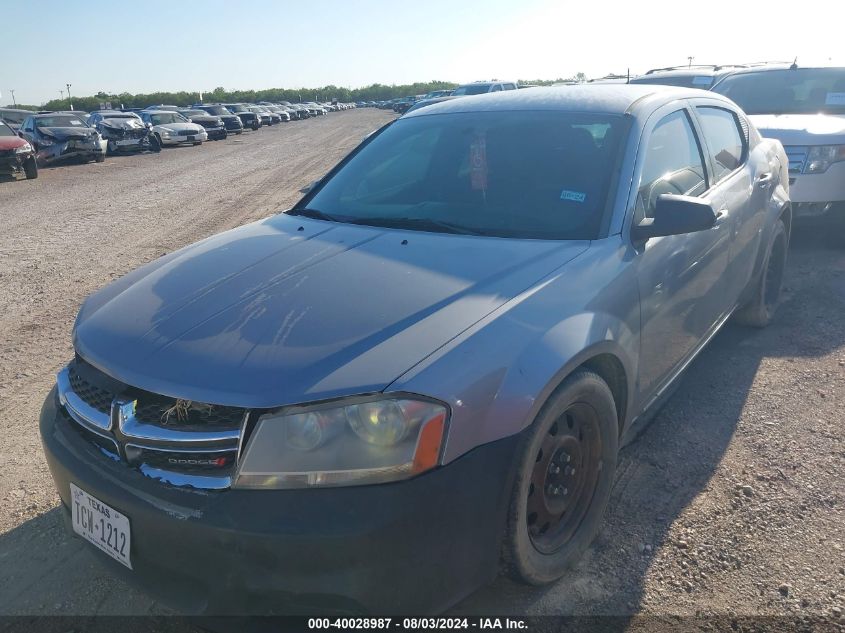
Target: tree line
[[373, 92]]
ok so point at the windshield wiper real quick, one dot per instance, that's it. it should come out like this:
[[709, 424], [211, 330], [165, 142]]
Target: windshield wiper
[[420, 224], [312, 213]]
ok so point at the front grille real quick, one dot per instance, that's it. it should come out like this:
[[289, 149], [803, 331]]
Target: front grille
[[159, 411], [176, 441], [797, 158], [94, 396], [7, 153]]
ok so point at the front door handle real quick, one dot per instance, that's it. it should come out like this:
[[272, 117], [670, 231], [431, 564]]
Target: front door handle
[[764, 180]]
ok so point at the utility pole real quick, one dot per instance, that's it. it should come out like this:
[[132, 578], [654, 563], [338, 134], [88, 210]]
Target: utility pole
[[68, 96], [62, 92], [14, 103], [690, 58]]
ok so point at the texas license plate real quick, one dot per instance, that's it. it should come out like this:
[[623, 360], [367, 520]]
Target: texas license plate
[[100, 525]]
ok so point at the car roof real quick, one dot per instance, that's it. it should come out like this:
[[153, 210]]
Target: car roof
[[598, 98]]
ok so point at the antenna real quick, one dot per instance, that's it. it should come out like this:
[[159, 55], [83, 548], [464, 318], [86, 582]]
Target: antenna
[[794, 64]]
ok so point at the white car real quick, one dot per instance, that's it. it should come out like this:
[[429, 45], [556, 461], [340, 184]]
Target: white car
[[803, 108], [171, 128]]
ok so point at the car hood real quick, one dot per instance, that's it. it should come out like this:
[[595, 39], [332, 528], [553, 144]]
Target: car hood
[[180, 127], [123, 124], [204, 119], [293, 310], [11, 142], [802, 129], [65, 133]]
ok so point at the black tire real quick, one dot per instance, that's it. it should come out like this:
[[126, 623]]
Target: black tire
[[256, 125], [570, 453], [760, 310], [100, 158], [154, 143], [239, 132], [30, 168], [111, 148], [197, 143], [157, 137]]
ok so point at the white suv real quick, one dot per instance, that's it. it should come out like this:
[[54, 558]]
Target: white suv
[[804, 108], [482, 87]]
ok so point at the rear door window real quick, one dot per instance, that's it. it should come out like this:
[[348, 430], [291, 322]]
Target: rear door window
[[724, 139]]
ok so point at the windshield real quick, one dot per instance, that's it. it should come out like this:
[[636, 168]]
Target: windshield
[[798, 91], [685, 81], [118, 115], [163, 118], [538, 175], [194, 113], [217, 110], [13, 117], [63, 120], [237, 108], [5, 130], [472, 89]]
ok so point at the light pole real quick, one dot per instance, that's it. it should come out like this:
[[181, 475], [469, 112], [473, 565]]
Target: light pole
[[14, 103], [62, 92], [68, 96], [690, 58]]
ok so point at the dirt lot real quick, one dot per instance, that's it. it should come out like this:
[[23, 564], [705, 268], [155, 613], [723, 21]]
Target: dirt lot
[[731, 502]]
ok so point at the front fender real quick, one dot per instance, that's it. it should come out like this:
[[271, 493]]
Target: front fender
[[497, 375]]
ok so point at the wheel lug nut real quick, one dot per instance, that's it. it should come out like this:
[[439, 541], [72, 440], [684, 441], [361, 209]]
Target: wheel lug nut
[[564, 491], [555, 469]]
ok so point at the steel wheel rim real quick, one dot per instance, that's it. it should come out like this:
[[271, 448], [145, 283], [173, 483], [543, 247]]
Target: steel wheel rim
[[564, 478]]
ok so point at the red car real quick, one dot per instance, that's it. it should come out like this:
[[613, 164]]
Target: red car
[[17, 156]]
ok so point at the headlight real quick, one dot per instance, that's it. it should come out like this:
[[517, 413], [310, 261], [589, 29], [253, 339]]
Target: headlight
[[23, 149], [360, 442], [820, 157], [44, 141]]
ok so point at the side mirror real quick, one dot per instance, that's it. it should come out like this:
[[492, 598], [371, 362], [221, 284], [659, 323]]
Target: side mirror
[[307, 188], [675, 215]]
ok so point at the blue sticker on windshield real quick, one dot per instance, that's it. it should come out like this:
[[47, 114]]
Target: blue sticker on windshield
[[575, 196]]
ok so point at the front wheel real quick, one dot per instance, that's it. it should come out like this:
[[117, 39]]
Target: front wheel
[[101, 157], [30, 168], [197, 143], [566, 464], [760, 310], [154, 143]]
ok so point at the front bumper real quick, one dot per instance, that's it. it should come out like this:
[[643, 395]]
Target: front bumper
[[11, 164], [216, 133], [66, 150], [184, 139], [818, 188], [412, 547]]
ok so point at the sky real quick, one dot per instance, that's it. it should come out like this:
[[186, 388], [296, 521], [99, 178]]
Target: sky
[[172, 45]]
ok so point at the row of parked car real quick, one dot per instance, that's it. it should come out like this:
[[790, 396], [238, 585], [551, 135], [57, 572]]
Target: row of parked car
[[32, 139]]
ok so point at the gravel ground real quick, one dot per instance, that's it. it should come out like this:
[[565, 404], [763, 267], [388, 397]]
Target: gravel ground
[[732, 502]]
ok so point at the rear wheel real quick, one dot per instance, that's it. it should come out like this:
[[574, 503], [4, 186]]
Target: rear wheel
[[565, 472], [760, 310], [30, 168]]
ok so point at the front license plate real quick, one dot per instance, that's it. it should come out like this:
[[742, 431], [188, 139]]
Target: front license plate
[[190, 138], [130, 141], [101, 525]]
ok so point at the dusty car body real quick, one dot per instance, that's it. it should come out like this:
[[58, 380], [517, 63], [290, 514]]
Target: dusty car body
[[804, 108], [62, 136], [171, 128], [430, 360], [13, 117], [232, 122], [17, 156], [249, 119], [123, 131], [213, 125]]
